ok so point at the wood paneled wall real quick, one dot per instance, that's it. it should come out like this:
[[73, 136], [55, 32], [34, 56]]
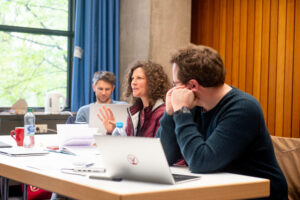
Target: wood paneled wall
[[259, 41]]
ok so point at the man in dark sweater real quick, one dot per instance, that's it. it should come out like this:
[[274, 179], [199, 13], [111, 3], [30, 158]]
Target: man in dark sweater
[[216, 127]]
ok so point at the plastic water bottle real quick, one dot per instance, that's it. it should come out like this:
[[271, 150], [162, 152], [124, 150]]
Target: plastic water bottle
[[29, 128], [119, 130]]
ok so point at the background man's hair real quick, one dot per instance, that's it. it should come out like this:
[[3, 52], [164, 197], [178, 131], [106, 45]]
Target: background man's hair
[[106, 76]]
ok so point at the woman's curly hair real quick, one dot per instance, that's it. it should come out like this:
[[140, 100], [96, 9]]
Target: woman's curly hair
[[158, 82]]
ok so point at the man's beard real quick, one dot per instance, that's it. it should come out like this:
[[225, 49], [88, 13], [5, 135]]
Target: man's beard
[[106, 100]]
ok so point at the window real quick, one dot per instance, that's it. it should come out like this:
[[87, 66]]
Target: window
[[36, 42]]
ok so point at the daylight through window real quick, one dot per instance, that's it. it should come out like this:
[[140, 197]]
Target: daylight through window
[[35, 44]]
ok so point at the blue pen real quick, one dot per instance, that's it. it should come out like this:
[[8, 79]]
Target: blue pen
[[67, 151], [62, 151], [89, 164]]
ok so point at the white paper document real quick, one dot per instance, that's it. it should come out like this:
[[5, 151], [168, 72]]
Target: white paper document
[[75, 134]]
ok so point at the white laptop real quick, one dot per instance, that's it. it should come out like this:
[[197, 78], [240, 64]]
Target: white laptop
[[119, 111], [137, 158]]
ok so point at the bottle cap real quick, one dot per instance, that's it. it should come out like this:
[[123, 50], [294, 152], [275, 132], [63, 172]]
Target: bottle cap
[[119, 124]]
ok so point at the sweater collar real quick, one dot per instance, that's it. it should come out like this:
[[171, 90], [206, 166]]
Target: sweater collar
[[138, 106]]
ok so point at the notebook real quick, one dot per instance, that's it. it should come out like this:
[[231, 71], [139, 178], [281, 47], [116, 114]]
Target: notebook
[[137, 158], [21, 151], [119, 111], [4, 145]]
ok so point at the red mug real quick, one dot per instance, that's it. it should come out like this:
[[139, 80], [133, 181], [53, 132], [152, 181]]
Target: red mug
[[18, 135]]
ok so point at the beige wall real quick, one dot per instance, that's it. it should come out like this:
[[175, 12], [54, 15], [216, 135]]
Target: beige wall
[[151, 30], [134, 34], [170, 29]]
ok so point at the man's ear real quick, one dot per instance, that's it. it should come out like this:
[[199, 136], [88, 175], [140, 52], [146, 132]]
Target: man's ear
[[94, 89], [113, 87], [193, 85]]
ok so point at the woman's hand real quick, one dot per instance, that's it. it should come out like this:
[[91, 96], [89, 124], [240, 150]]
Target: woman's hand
[[107, 118]]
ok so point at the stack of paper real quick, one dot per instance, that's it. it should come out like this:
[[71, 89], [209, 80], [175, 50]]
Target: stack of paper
[[75, 134]]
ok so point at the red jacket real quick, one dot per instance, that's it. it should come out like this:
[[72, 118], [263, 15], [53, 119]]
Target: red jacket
[[151, 119]]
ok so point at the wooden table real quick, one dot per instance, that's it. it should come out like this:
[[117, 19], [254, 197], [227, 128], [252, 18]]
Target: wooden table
[[44, 172]]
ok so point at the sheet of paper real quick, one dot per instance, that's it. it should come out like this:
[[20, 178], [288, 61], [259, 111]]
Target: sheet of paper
[[75, 134]]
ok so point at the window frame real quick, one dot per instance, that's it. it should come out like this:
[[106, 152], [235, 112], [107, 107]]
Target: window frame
[[70, 38]]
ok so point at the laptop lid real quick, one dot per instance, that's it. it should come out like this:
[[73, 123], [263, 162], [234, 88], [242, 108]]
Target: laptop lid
[[136, 158], [119, 111]]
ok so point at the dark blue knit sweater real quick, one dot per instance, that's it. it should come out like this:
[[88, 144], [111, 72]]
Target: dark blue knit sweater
[[232, 137]]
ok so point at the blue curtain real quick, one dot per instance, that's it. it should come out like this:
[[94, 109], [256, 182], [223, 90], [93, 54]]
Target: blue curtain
[[97, 34]]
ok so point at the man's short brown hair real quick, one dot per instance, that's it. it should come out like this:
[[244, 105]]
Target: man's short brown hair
[[201, 63], [108, 77]]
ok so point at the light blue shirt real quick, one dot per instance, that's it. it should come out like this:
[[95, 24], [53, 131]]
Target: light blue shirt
[[83, 114]]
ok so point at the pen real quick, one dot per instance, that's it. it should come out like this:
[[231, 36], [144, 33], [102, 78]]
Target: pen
[[89, 165], [61, 151], [70, 171], [106, 178]]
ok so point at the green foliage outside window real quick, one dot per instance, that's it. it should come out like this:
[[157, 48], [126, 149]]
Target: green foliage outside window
[[32, 64]]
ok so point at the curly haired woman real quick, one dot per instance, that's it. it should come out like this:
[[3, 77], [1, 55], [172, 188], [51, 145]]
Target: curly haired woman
[[147, 88]]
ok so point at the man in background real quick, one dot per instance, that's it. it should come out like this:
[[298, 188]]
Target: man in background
[[103, 86]]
